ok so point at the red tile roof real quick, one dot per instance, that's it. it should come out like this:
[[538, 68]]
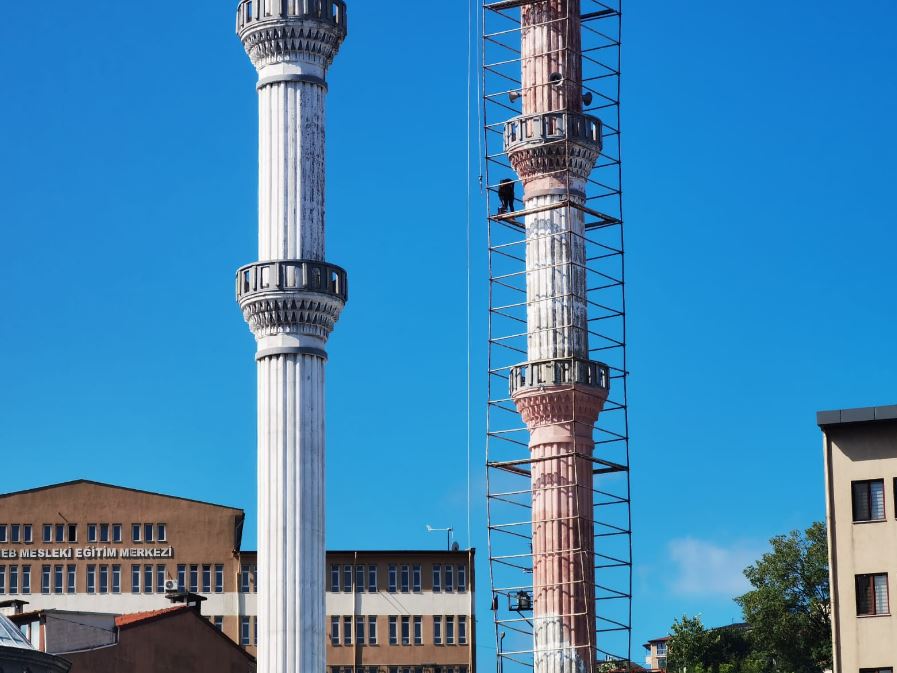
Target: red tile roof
[[137, 617]]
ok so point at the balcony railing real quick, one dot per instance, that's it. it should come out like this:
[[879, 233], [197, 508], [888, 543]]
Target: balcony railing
[[552, 127], [292, 275], [257, 11], [563, 371]]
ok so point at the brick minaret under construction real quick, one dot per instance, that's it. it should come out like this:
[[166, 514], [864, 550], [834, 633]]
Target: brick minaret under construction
[[559, 391]]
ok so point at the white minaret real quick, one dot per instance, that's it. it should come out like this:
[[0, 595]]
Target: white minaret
[[291, 298]]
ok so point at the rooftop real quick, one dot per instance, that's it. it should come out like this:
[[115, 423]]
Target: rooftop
[[826, 419]]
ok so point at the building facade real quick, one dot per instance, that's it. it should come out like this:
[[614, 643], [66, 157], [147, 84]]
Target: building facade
[[656, 654], [401, 612], [88, 547], [860, 447]]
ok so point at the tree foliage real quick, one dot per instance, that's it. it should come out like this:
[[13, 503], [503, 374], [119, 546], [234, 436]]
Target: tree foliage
[[789, 608], [787, 612]]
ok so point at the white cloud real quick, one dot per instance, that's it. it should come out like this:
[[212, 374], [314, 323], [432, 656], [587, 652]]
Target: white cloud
[[702, 568]]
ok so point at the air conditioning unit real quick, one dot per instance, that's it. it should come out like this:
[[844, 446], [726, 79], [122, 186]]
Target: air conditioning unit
[[171, 586]]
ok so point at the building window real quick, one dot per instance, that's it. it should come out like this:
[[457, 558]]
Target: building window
[[869, 500], [872, 594], [60, 532], [347, 578], [359, 578], [876, 670], [359, 630], [148, 579], [391, 578], [72, 532], [207, 579], [437, 629], [161, 532], [661, 649], [219, 578], [418, 630], [347, 630], [161, 574], [57, 579], [2, 579], [116, 579], [372, 630], [437, 577], [135, 579], [449, 630], [372, 579], [28, 533], [462, 630], [334, 577], [3, 538], [135, 532], [194, 578], [462, 578], [15, 532], [13, 579], [48, 533], [449, 577], [45, 579], [393, 630], [182, 577], [406, 630], [104, 532], [116, 532], [244, 631], [405, 579], [71, 572], [148, 532], [104, 579], [91, 533], [26, 579], [218, 622], [416, 578], [244, 579], [91, 579], [334, 631]]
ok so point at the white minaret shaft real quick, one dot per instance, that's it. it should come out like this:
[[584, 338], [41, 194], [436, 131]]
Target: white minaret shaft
[[291, 298]]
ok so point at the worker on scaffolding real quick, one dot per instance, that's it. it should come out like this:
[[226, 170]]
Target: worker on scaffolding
[[506, 195]]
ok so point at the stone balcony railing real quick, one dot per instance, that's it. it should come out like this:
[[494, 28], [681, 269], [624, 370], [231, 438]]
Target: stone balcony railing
[[293, 275], [559, 372], [552, 127], [333, 12]]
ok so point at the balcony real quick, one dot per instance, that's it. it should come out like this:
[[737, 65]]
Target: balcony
[[251, 12], [294, 275], [559, 372], [553, 127]]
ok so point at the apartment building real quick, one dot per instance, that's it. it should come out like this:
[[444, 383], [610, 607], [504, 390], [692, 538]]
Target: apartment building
[[860, 447]]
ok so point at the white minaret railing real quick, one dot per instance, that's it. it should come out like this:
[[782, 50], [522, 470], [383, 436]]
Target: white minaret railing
[[291, 299]]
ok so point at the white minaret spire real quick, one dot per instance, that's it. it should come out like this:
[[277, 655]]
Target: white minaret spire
[[291, 298]]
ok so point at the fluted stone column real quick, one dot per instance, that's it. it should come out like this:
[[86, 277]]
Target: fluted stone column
[[559, 392], [291, 299]]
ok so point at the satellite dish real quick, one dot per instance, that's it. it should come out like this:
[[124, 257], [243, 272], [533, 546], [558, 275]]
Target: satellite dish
[[514, 95], [456, 546], [587, 98]]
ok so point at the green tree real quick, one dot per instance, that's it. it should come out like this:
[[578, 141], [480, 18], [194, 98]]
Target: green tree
[[788, 609], [694, 649]]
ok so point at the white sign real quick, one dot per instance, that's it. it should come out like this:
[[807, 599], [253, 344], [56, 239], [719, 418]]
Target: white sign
[[78, 553]]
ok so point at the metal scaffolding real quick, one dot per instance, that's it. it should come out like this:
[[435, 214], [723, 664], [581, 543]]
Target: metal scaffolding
[[510, 461]]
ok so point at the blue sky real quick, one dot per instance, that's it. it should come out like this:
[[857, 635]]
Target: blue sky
[[759, 183]]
